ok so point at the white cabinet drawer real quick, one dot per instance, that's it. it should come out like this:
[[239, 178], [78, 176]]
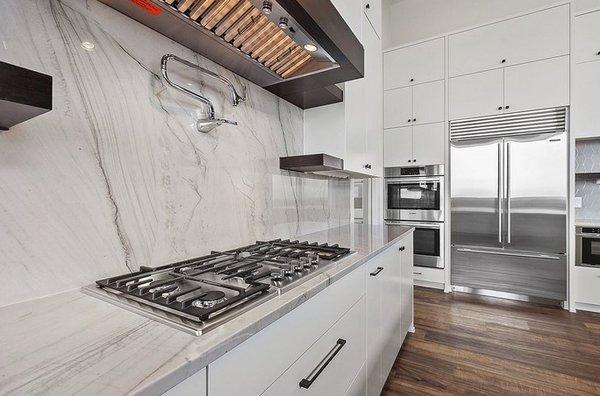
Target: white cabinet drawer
[[435, 275], [586, 37], [328, 367], [266, 355], [414, 64]]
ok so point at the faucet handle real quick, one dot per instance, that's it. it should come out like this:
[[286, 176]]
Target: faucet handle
[[206, 125]]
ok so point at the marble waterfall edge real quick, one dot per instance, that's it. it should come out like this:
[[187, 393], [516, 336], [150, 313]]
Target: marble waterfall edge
[[116, 175]]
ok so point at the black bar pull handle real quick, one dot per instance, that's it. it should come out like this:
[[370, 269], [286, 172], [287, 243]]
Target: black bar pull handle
[[377, 271], [306, 382]]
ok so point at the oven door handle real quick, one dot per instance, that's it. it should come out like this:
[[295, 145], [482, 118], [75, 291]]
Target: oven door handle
[[413, 180], [419, 225]]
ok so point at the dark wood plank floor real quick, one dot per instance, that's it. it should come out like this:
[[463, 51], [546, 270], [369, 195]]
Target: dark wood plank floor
[[466, 344]]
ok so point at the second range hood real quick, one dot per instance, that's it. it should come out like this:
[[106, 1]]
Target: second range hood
[[296, 49]]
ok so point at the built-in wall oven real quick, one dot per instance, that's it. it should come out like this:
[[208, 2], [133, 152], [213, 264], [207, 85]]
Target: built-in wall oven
[[428, 240], [415, 193], [587, 246]]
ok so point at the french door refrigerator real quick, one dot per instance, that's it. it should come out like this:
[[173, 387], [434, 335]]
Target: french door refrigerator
[[508, 188]]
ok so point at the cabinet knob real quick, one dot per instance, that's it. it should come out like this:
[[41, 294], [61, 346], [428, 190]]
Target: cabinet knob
[[598, 53], [412, 79], [506, 107], [408, 120], [368, 166], [503, 61], [409, 160], [500, 108], [414, 160], [367, 6], [414, 119], [402, 248]]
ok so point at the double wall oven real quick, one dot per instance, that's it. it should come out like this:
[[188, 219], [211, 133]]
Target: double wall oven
[[415, 197]]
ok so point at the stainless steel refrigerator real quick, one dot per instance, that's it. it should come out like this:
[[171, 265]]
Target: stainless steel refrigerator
[[508, 188]]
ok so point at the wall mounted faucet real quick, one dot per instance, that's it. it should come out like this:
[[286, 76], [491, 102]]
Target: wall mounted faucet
[[205, 124]]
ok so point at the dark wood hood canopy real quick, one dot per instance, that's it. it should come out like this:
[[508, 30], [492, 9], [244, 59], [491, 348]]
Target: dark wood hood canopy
[[237, 35]]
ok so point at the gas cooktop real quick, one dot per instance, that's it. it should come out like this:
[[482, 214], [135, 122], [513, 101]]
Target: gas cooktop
[[198, 294]]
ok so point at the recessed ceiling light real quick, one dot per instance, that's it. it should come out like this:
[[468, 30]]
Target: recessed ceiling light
[[86, 45], [267, 7], [310, 47], [283, 22]]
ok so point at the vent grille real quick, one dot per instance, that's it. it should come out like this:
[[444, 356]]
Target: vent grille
[[242, 25], [521, 123]]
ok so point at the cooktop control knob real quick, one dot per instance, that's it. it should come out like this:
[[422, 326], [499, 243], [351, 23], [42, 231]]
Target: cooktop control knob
[[296, 266], [305, 262], [314, 259]]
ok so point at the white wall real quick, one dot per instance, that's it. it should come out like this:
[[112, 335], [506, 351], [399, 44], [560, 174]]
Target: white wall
[[413, 20]]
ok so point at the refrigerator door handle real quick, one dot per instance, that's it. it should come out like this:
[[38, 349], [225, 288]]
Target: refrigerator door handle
[[500, 184], [508, 192], [528, 255]]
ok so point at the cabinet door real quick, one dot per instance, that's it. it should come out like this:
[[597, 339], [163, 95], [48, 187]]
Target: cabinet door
[[397, 147], [406, 287], [428, 144], [428, 102], [373, 101], [539, 35], [586, 96], [375, 345], [530, 37], [372, 10], [586, 37], [537, 85], [415, 64], [397, 107], [476, 94], [354, 98], [391, 308]]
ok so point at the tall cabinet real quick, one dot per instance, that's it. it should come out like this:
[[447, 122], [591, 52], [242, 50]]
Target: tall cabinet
[[353, 130], [414, 104], [586, 75]]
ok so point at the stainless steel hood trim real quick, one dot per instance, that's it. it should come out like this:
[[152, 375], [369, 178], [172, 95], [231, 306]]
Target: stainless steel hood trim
[[513, 124]]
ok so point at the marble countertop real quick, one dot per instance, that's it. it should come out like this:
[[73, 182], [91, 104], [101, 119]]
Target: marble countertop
[[587, 222], [72, 343]]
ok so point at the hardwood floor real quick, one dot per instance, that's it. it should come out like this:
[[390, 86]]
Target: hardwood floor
[[466, 344]]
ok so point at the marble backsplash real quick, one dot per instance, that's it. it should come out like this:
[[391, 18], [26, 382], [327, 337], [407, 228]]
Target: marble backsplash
[[116, 175], [587, 178]]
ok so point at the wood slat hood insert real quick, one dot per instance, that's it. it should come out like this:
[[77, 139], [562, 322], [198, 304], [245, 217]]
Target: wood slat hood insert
[[241, 24]]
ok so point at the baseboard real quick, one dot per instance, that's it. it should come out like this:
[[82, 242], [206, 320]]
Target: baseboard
[[430, 285], [587, 307]]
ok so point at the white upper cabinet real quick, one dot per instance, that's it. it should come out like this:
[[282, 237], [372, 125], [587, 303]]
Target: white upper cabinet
[[397, 107], [586, 37], [530, 37], [373, 102], [414, 64], [351, 11], [356, 140], [537, 85], [428, 144], [372, 10], [586, 100], [398, 147], [428, 102], [475, 94]]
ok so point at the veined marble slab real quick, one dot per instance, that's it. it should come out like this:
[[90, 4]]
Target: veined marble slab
[[116, 175], [72, 343]]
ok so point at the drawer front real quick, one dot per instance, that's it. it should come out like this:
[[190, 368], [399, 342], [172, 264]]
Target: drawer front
[[330, 366], [266, 355], [435, 275]]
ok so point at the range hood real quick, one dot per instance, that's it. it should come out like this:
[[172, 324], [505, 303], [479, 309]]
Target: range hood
[[296, 49], [319, 164]]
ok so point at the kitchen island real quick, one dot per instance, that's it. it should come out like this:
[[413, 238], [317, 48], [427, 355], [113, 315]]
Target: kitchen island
[[74, 343]]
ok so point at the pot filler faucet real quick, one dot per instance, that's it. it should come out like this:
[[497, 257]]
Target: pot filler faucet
[[204, 124]]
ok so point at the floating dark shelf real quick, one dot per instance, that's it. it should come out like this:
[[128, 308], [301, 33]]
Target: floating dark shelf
[[311, 163], [24, 94]]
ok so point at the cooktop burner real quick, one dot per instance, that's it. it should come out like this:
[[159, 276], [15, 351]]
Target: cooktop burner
[[199, 293]]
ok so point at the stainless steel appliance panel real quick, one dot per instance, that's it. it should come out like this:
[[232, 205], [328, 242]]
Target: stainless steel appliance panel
[[536, 193], [476, 190], [587, 246], [428, 242], [419, 198], [535, 275]]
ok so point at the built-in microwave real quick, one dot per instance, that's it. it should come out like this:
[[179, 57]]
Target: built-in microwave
[[587, 248], [414, 193], [428, 241]]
